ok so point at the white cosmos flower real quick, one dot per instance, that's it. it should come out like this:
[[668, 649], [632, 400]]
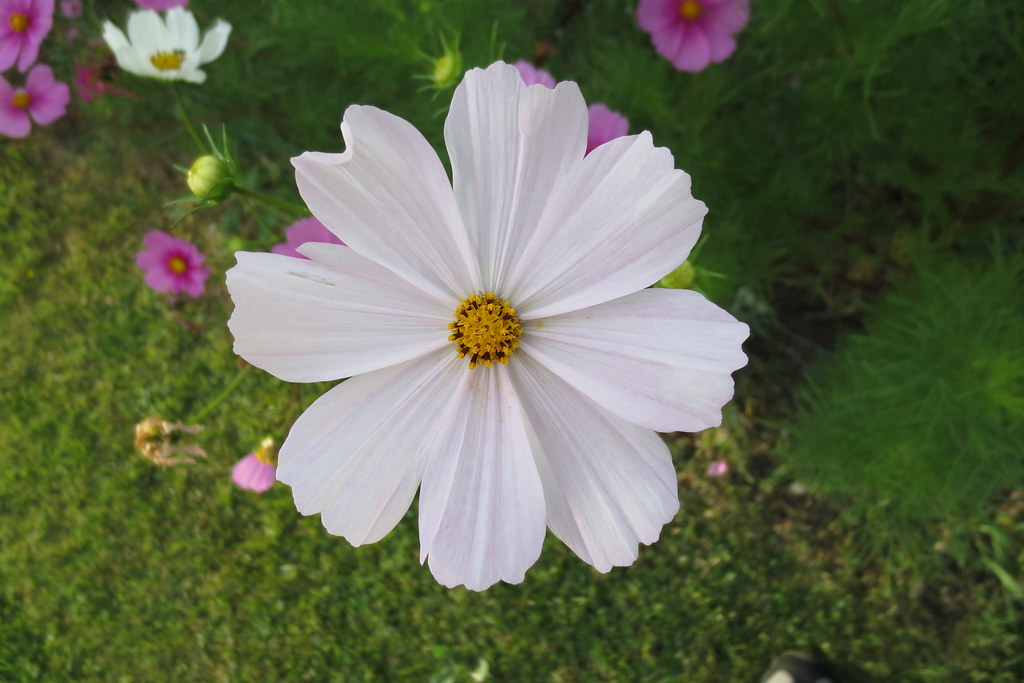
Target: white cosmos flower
[[167, 48], [555, 425]]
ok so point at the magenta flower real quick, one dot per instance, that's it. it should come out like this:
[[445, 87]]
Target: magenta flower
[[23, 25], [253, 473], [160, 5], [532, 74], [605, 125], [172, 265], [90, 85], [302, 231], [43, 99], [71, 9], [693, 33], [718, 468]]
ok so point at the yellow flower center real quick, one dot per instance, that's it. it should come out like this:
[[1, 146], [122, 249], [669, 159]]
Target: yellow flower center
[[690, 9], [21, 99], [486, 329], [19, 22], [177, 265], [165, 61]]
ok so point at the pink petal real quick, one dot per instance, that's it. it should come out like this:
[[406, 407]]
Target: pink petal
[[252, 474], [357, 455], [531, 74], [40, 23], [609, 485], [481, 502], [14, 121], [604, 125], [388, 197], [48, 99], [691, 50], [660, 358], [510, 145], [335, 316], [10, 46], [302, 231]]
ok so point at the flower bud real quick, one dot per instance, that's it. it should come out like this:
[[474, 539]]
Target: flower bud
[[680, 278], [210, 178]]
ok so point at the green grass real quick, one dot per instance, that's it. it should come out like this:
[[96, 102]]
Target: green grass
[[831, 143]]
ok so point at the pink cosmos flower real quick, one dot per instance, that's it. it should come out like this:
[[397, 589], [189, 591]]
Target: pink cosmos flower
[[507, 360], [718, 468], [23, 25], [160, 5], [71, 9], [172, 265], [90, 85], [252, 473], [302, 231], [43, 98], [605, 125], [693, 33], [532, 74]]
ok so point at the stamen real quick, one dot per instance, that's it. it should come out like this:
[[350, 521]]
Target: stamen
[[21, 99], [19, 22], [486, 329], [166, 61], [690, 9], [177, 265]]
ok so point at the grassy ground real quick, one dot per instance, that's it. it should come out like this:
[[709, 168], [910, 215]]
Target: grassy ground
[[114, 569]]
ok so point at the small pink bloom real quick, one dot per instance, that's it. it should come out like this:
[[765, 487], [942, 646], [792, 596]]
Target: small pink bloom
[[71, 9], [718, 468], [160, 5], [302, 231], [43, 98], [23, 25], [693, 33], [172, 265], [253, 474], [532, 74], [605, 125]]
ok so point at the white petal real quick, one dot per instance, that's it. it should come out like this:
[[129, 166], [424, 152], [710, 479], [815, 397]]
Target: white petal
[[622, 220], [192, 75], [608, 484], [357, 454], [214, 42], [335, 316], [388, 197], [114, 37], [661, 358], [509, 145], [481, 502], [182, 29], [147, 32]]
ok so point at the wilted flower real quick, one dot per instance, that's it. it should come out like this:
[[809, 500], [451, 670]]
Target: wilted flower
[[210, 178], [302, 231], [71, 9], [255, 472], [167, 48], [693, 33], [90, 85], [172, 265], [604, 125], [532, 74], [43, 100], [23, 26], [504, 354], [155, 436]]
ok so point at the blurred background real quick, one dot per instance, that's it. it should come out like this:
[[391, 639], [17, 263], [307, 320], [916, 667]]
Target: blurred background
[[862, 165]]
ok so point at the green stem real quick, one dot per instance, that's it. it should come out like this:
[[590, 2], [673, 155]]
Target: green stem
[[273, 201], [188, 122], [219, 398]]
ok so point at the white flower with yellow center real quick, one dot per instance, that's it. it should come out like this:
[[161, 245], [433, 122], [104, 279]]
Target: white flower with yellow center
[[167, 48], [505, 357]]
